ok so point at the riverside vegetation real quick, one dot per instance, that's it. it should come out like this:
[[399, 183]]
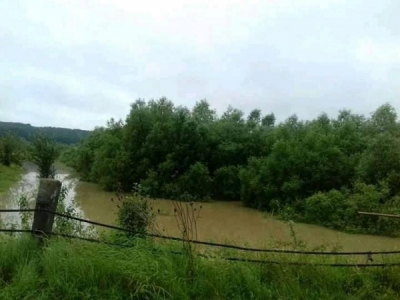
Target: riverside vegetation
[[42, 151], [78, 270], [18, 142], [294, 168], [73, 269], [320, 171], [11, 155]]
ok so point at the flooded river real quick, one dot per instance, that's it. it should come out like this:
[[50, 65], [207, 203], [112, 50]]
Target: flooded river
[[27, 187], [226, 222]]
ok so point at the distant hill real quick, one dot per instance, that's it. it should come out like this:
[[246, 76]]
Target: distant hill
[[60, 135]]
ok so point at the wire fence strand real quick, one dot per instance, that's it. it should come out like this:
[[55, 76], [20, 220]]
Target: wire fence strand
[[18, 210], [234, 259], [212, 244]]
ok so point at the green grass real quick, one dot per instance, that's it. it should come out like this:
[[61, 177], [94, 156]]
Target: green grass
[[8, 177], [80, 270]]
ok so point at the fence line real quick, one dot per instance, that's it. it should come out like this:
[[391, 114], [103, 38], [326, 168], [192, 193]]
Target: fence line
[[18, 210], [236, 259], [280, 251]]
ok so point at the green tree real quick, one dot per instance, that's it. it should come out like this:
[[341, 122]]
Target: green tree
[[384, 120], [318, 170], [44, 154], [268, 120], [381, 158], [11, 150]]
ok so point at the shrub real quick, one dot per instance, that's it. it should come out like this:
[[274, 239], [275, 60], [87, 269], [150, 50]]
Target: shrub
[[339, 209], [135, 213], [328, 209]]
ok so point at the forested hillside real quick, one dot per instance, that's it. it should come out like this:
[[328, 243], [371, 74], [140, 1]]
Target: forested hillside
[[319, 171], [28, 132]]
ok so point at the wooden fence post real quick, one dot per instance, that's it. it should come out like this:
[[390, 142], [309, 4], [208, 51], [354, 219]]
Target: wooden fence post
[[47, 199]]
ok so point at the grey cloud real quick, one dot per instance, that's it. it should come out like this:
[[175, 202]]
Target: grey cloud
[[63, 65]]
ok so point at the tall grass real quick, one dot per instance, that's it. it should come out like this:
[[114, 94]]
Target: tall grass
[[78, 270]]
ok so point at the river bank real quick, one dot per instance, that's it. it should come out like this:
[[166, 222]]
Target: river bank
[[224, 222], [26, 185]]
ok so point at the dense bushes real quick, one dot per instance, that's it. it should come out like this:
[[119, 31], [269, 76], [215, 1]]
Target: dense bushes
[[321, 171], [338, 209]]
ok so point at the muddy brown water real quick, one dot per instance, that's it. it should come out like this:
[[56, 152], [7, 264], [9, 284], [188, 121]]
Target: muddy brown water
[[225, 222], [229, 222]]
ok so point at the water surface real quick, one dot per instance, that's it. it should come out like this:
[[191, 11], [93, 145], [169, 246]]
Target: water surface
[[232, 223], [226, 222]]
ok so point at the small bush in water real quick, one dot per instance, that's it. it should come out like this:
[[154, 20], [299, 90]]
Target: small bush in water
[[134, 213]]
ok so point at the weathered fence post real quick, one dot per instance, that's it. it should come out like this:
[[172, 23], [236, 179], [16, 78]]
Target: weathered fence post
[[47, 199]]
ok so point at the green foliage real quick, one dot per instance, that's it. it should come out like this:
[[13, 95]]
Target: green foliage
[[44, 154], [381, 158], [12, 150], [165, 148], [384, 120], [295, 167], [68, 269], [135, 212], [68, 155], [196, 182], [25, 218], [226, 183], [69, 226], [339, 209]]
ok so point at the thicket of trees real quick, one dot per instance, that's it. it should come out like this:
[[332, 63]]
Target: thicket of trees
[[43, 151], [321, 171]]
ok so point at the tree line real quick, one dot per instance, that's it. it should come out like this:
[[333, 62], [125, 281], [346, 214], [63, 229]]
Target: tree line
[[27, 132], [319, 171]]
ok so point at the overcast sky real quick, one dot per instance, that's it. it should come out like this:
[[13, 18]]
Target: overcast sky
[[78, 63]]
